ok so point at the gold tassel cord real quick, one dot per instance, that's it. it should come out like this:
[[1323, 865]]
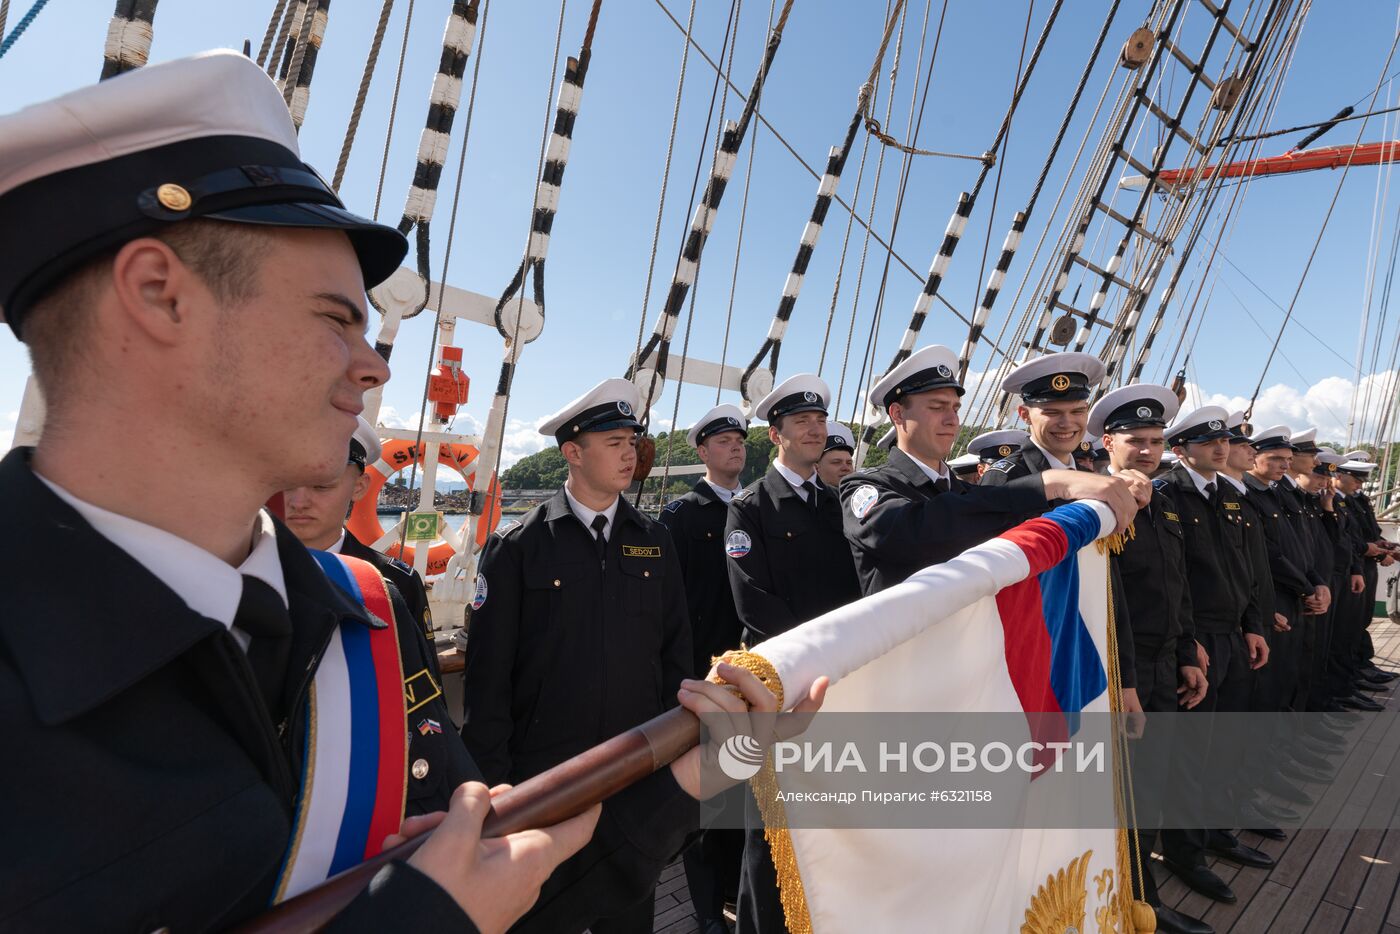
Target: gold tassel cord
[[1134, 917], [764, 787]]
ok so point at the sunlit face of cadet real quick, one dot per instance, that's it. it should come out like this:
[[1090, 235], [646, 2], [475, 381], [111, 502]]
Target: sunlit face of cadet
[[1135, 449], [316, 512], [799, 438], [1206, 457], [927, 424], [602, 462], [724, 455], [1058, 427]]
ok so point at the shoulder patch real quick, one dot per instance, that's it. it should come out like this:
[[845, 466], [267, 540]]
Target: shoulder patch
[[400, 565], [673, 506], [505, 528], [1003, 465], [479, 598], [738, 544], [1160, 483], [863, 500], [743, 494]]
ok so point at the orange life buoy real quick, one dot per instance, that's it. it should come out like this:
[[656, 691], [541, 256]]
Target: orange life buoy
[[397, 455]]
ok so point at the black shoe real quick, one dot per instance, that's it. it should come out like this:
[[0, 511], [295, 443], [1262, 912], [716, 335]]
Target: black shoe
[[1372, 687], [1272, 815], [1244, 856], [1308, 759], [1171, 921], [1378, 675], [1285, 790], [1297, 772], [1357, 702], [1200, 879], [1269, 833]]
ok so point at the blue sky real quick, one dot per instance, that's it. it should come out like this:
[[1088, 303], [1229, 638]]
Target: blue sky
[[597, 267]]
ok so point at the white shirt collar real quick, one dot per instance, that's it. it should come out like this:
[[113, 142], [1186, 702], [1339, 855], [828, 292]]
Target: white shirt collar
[[932, 474], [209, 586], [724, 494], [1055, 461], [1197, 479], [585, 515], [795, 481], [339, 543]]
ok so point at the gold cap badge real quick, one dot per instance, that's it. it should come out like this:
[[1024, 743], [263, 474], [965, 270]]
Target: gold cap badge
[[173, 197], [1060, 382]]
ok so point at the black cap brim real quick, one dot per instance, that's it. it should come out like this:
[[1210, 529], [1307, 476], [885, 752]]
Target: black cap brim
[[379, 247]]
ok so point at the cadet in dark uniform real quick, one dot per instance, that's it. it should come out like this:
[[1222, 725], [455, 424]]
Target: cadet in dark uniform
[[992, 446], [1084, 455], [788, 563], [314, 514], [696, 523], [1152, 567], [838, 456], [580, 632], [909, 514], [1054, 391], [1229, 620], [1351, 474], [168, 253]]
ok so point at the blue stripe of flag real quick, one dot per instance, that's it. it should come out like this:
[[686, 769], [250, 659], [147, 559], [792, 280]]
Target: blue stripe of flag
[[1076, 673]]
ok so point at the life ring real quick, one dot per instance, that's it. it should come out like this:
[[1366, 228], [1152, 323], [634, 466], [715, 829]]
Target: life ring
[[397, 455]]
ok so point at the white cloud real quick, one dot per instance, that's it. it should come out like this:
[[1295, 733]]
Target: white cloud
[[1329, 404]]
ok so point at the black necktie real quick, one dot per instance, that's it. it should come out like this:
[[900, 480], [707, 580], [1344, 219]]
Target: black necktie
[[1212, 494], [811, 489], [263, 617], [600, 522]]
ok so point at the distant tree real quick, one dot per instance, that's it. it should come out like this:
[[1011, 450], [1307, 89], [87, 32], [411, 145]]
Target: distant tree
[[543, 470]]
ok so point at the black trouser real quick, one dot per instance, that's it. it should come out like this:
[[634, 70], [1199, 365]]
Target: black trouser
[[635, 920], [1230, 686], [712, 866], [1156, 687], [1276, 684], [1346, 655], [759, 910], [1318, 688]]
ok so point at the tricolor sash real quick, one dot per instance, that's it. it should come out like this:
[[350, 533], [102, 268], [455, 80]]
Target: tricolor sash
[[355, 767]]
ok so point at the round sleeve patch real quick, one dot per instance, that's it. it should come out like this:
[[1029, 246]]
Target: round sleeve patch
[[479, 599], [738, 544], [863, 500]]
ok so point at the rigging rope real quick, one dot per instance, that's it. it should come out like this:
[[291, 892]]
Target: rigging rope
[[25, 22], [554, 161], [666, 177], [278, 13], [792, 151], [1018, 223], [1346, 169], [807, 242], [738, 243], [688, 262], [914, 126], [290, 15], [4, 15], [129, 35], [870, 219], [370, 63], [297, 87]]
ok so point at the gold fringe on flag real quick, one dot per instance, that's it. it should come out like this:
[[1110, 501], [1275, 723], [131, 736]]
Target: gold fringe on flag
[[764, 786]]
